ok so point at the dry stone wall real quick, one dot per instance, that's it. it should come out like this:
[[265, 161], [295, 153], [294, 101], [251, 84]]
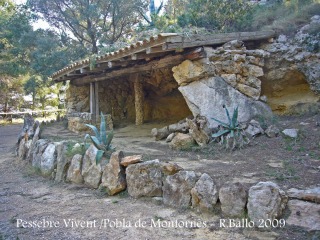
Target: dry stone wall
[[173, 186]]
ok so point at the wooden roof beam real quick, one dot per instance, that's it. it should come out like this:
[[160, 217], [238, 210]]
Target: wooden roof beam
[[169, 61]]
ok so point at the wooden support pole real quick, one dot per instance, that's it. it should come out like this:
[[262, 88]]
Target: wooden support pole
[[138, 97], [96, 94], [92, 102]]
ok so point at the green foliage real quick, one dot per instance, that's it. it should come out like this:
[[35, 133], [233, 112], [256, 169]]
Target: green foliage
[[101, 140], [231, 127], [11, 91], [231, 134], [283, 16], [92, 23], [214, 15]]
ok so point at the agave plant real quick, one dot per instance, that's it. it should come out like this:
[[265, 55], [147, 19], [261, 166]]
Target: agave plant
[[101, 140], [230, 133]]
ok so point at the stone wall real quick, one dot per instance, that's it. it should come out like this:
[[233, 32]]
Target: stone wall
[[77, 98], [77, 121], [170, 185]]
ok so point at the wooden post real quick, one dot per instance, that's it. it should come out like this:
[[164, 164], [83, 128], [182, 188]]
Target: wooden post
[[138, 97], [96, 93], [92, 102]]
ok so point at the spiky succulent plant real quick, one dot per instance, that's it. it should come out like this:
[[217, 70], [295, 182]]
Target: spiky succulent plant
[[101, 140]]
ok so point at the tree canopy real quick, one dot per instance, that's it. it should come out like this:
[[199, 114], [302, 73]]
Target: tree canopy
[[94, 23]]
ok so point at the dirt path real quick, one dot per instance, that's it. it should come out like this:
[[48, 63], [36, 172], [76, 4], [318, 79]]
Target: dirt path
[[75, 212]]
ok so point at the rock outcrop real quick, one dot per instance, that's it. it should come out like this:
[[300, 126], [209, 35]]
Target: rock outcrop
[[215, 93], [291, 78]]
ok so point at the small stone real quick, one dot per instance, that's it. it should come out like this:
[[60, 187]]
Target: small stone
[[264, 98], [282, 38], [254, 128], [170, 168], [293, 133], [131, 160], [272, 131], [157, 200], [182, 141], [170, 137]]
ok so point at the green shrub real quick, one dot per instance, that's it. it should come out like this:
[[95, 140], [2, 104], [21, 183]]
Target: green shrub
[[101, 140]]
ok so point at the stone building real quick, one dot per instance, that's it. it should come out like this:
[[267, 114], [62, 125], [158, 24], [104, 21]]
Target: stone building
[[171, 76]]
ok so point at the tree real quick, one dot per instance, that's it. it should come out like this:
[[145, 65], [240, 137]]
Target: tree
[[154, 13], [93, 23], [11, 92], [32, 87], [214, 14], [12, 58]]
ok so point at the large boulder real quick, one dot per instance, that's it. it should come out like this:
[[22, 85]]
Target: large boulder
[[49, 159], [204, 194], [312, 194], [35, 138], [177, 188], [74, 171], [92, 176], [266, 201], [144, 179], [215, 93], [24, 147], [91, 171], [39, 148], [233, 199], [44, 156], [113, 176]]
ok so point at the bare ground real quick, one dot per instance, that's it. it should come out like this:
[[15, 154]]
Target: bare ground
[[26, 196]]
